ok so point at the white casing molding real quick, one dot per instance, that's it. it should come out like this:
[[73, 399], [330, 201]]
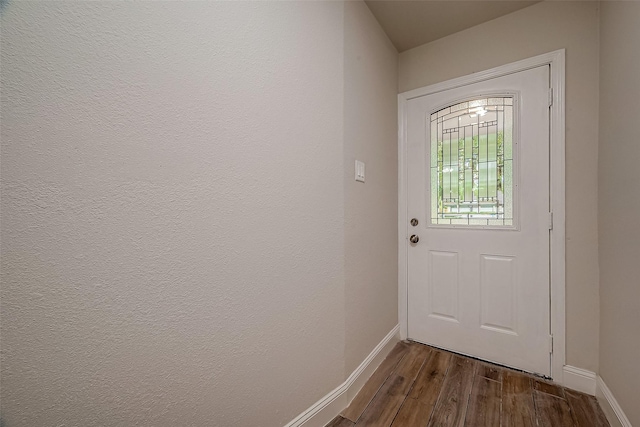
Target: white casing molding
[[556, 60], [579, 379], [610, 405], [326, 409]]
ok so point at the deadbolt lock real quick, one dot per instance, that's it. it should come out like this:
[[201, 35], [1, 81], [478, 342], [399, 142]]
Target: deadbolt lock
[[414, 221]]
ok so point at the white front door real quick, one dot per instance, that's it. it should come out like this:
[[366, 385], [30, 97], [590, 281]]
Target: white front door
[[478, 186]]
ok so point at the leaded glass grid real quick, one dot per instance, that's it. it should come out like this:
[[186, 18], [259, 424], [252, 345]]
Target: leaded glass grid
[[472, 163]]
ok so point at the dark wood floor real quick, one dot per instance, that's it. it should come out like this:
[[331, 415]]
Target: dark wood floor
[[417, 385]]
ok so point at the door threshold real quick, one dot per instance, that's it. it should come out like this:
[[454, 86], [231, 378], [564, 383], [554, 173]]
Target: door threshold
[[469, 356]]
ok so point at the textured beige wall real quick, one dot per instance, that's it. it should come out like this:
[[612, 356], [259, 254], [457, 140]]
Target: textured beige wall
[[538, 29], [370, 135], [172, 212], [619, 203]]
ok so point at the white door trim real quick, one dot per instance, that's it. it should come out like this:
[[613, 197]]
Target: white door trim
[[556, 60]]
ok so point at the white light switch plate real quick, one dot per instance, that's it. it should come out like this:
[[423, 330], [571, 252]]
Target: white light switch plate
[[359, 171]]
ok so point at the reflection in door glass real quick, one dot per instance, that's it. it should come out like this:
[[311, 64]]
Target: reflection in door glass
[[472, 163]]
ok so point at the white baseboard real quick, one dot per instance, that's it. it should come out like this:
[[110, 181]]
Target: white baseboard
[[359, 377], [326, 409], [579, 379], [610, 405]]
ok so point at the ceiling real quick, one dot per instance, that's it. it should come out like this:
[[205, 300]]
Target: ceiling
[[413, 23]]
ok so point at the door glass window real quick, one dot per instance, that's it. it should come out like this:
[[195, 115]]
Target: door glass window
[[472, 163]]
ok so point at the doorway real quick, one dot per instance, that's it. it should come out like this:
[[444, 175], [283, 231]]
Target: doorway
[[481, 212]]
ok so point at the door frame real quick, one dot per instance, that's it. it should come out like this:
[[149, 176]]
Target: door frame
[[556, 60]]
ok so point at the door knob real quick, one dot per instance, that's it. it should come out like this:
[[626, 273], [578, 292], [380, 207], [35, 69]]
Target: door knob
[[414, 238]]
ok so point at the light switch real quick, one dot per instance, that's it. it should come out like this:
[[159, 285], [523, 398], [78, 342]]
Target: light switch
[[359, 171]]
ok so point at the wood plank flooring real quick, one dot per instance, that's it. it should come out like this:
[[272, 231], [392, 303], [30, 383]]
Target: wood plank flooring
[[417, 385]]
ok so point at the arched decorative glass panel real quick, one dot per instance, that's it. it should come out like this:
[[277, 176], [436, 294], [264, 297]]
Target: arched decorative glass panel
[[472, 163]]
